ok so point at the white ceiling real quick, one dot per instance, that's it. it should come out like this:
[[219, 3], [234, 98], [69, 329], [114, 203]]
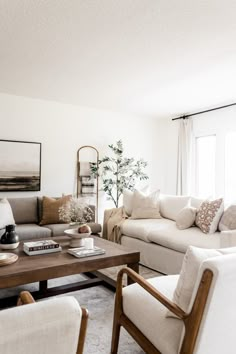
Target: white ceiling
[[152, 57]]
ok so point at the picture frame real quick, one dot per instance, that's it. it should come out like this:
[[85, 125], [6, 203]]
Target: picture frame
[[20, 165]]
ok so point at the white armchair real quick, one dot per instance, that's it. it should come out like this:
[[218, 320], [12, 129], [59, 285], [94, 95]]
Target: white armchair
[[52, 326], [207, 328]]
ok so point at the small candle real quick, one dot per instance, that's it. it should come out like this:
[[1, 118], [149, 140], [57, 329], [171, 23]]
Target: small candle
[[89, 243]]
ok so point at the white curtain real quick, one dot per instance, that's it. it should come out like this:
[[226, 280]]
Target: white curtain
[[184, 161]]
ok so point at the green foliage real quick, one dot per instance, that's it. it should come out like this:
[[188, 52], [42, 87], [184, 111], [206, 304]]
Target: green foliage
[[118, 172]]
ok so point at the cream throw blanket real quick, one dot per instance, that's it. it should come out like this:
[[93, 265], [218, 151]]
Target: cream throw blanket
[[113, 219]]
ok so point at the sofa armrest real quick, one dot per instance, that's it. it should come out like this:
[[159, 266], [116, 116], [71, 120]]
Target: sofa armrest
[[228, 238], [50, 326]]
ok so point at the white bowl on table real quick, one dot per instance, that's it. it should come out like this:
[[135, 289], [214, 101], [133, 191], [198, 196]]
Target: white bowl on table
[[76, 237]]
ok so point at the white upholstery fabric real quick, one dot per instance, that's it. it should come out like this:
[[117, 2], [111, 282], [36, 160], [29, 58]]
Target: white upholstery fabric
[[196, 202], [149, 315], [146, 206], [179, 240], [47, 327], [6, 215], [170, 205], [186, 217], [128, 199], [191, 265], [161, 259], [217, 330], [141, 228], [228, 220]]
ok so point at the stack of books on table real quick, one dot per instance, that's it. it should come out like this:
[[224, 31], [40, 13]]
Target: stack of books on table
[[41, 247], [83, 252]]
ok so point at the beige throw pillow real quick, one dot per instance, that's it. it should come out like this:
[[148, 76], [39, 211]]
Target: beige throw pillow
[[186, 218], [209, 214], [146, 206], [50, 206], [228, 220], [6, 215], [128, 199]]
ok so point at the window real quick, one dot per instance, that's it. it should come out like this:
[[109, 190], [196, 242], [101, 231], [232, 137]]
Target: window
[[205, 166], [230, 167]]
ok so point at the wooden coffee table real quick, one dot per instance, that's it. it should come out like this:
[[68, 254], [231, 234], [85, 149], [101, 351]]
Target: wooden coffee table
[[41, 268]]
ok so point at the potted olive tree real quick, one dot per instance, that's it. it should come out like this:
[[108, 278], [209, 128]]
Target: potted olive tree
[[118, 172]]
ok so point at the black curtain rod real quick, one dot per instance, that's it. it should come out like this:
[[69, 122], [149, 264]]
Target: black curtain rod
[[201, 112]]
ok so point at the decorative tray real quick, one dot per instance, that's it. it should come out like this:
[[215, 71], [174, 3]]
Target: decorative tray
[[7, 258]]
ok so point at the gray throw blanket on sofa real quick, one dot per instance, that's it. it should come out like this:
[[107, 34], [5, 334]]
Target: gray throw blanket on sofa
[[113, 219]]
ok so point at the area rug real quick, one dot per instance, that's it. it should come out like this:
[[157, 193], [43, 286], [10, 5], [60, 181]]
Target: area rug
[[100, 303]]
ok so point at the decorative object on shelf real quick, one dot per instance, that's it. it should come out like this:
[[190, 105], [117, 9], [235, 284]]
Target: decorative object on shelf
[[20, 163], [77, 238], [118, 172], [87, 182], [9, 240], [7, 258], [75, 211]]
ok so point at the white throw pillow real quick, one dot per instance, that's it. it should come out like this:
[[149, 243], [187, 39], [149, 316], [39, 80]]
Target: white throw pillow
[[228, 220], [128, 199], [189, 273], [6, 216], [145, 206], [171, 205], [209, 214], [186, 218]]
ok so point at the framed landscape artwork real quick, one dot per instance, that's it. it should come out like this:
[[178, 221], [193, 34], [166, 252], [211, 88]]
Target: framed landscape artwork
[[20, 165]]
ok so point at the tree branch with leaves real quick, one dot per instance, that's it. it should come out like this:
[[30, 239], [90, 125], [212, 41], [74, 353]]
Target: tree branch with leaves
[[118, 172]]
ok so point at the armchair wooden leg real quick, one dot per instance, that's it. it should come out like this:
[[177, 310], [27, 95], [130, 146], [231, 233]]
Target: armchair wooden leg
[[83, 329], [115, 335]]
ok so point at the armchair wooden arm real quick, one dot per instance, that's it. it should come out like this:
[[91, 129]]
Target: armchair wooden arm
[[25, 298], [150, 289], [191, 320]]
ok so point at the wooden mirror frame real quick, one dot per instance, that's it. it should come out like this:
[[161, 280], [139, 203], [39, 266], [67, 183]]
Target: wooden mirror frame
[[78, 175]]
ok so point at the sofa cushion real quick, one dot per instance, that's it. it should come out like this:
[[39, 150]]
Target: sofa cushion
[[186, 217], [171, 205], [141, 228], [145, 206], [32, 231], [179, 240], [193, 259], [50, 209], [128, 199], [209, 214], [228, 220], [188, 275], [196, 202], [25, 210], [6, 216], [149, 315]]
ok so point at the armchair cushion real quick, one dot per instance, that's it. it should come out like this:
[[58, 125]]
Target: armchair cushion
[[189, 273], [149, 315], [50, 326]]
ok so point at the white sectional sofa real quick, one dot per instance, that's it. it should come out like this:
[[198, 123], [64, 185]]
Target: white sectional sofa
[[161, 244]]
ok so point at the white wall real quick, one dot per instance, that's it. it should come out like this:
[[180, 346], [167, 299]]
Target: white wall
[[62, 129]]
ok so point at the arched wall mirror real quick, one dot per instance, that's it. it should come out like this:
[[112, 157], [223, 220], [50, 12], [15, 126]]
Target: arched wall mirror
[[87, 185]]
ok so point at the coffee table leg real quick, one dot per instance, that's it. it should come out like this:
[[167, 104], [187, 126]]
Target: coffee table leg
[[135, 267], [43, 286]]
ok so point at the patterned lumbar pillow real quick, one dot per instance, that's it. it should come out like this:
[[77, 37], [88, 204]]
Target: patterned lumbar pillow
[[228, 220], [6, 216], [209, 214], [186, 217]]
